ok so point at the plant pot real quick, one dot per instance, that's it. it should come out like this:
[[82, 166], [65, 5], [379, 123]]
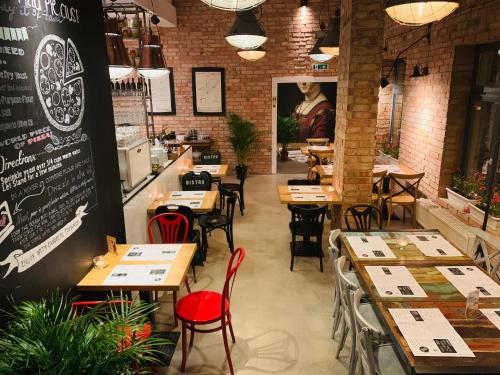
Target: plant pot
[[284, 155], [478, 216], [458, 201]]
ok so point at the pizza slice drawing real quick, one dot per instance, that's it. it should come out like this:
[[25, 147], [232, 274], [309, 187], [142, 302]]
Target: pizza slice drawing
[[59, 82]]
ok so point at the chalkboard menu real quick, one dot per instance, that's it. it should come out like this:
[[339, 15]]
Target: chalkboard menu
[[55, 126]]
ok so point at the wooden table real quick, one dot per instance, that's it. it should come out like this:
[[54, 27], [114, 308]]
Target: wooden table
[[482, 337], [333, 200], [207, 204], [222, 171], [94, 280], [306, 150], [326, 171]]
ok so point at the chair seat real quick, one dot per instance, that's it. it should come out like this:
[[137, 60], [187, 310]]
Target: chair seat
[[387, 361], [229, 186], [200, 307], [403, 199], [213, 220], [368, 312], [352, 277]]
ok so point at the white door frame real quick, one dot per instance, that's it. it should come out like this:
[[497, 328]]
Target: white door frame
[[276, 81]]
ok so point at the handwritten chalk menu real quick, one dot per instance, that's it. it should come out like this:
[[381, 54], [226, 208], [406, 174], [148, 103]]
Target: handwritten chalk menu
[[48, 190]]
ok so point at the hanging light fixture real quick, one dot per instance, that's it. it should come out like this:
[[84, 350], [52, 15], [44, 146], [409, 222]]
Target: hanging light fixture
[[315, 53], [246, 32], [331, 43], [152, 63], [233, 5], [419, 12], [252, 54], [118, 59]]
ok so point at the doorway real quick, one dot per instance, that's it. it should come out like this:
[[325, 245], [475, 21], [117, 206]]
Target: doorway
[[288, 99]]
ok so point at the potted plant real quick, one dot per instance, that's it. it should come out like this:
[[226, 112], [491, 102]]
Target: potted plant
[[287, 133], [390, 151], [464, 191], [50, 337], [243, 138], [477, 209]]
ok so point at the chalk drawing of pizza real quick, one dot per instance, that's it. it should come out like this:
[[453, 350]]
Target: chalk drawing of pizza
[[59, 82]]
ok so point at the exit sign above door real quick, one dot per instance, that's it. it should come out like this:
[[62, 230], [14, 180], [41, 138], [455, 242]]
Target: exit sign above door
[[320, 66]]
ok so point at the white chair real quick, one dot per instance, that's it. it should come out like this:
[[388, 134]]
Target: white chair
[[483, 257], [346, 286], [376, 356]]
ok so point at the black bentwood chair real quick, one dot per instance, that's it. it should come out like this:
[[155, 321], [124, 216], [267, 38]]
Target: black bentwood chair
[[192, 181], [307, 222], [362, 215], [241, 174], [211, 222], [212, 158]]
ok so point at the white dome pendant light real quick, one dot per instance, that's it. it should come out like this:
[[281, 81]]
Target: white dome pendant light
[[419, 12], [252, 54], [233, 5], [246, 32]]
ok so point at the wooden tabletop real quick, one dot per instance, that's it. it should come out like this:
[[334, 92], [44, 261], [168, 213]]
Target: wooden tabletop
[[207, 204], [222, 170], [305, 150], [482, 337], [286, 196], [94, 280], [326, 170]]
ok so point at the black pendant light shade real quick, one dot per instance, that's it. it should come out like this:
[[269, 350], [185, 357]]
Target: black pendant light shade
[[118, 59], [331, 43], [315, 53], [384, 82], [304, 3], [416, 72], [246, 32]]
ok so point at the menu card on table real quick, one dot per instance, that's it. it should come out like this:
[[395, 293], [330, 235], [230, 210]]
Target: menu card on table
[[163, 252], [434, 245], [493, 315], [370, 247], [429, 334], [305, 189], [469, 278], [394, 281], [195, 203], [188, 194], [207, 168], [310, 197], [134, 274]]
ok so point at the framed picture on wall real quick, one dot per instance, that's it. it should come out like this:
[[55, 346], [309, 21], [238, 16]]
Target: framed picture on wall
[[209, 92], [163, 95]]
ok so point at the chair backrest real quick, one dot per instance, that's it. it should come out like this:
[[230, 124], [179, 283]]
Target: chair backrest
[[378, 179], [334, 234], [346, 287], [405, 184], [232, 268], [170, 225], [183, 210], [317, 141], [210, 158], [295, 182], [192, 181], [335, 256], [362, 215], [307, 217], [241, 174]]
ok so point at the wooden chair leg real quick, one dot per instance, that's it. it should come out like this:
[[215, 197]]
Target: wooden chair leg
[[321, 263], [194, 272], [175, 303], [389, 214], [184, 348], [228, 353], [187, 285], [232, 332], [191, 340]]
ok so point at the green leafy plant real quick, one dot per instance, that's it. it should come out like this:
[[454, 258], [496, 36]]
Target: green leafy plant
[[391, 150], [49, 337], [287, 131], [471, 187], [243, 137]]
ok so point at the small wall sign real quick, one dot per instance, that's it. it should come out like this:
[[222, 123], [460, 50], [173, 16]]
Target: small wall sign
[[320, 66]]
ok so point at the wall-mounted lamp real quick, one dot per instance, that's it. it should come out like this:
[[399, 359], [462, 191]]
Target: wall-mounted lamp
[[419, 72], [304, 3]]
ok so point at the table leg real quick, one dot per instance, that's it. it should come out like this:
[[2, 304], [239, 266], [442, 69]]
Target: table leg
[[336, 221], [148, 298]]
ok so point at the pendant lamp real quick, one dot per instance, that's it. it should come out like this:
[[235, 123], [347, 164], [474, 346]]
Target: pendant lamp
[[246, 32], [331, 43], [233, 5], [419, 12], [118, 60], [152, 63], [252, 54], [315, 53]]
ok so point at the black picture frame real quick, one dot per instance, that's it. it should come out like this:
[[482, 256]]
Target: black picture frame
[[199, 112], [171, 88]]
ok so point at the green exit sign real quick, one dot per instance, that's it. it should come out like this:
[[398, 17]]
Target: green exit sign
[[320, 66]]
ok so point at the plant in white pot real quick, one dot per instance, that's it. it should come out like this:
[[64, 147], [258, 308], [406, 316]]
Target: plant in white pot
[[464, 191], [477, 210]]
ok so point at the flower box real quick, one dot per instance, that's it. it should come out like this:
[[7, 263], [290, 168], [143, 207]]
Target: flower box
[[459, 201], [478, 216]]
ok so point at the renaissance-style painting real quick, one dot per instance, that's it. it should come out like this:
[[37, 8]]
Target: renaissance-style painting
[[312, 104]]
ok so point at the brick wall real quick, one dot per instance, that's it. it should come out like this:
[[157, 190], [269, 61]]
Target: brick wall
[[428, 100], [198, 41]]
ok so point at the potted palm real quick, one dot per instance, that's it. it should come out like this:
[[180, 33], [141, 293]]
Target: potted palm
[[287, 133], [243, 138], [50, 337]]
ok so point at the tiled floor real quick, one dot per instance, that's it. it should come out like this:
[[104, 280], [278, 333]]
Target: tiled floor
[[282, 319]]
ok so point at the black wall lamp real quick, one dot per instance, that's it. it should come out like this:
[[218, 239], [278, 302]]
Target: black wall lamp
[[419, 72], [304, 3]]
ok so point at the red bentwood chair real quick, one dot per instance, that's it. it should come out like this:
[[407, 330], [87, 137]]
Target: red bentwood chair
[[170, 225], [208, 307]]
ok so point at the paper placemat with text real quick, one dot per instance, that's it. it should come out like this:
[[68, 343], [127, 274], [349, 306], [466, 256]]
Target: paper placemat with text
[[434, 245], [370, 247], [310, 198], [305, 189], [395, 281], [195, 203], [187, 194], [135, 274], [158, 252], [469, 278]]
